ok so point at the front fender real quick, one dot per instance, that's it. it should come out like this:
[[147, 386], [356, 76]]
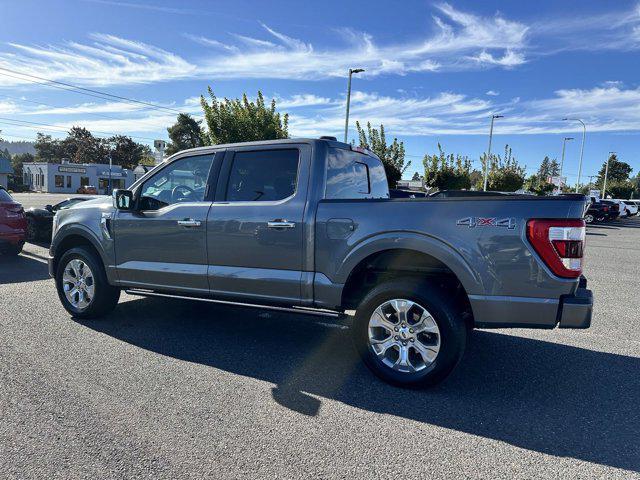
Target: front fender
[[103, 246], [418, 242]]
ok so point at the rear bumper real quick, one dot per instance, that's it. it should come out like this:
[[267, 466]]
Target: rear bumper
[[569, 311], [575, 310]]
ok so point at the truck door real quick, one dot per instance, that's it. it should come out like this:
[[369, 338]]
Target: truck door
[[255, 227], [162, 243]]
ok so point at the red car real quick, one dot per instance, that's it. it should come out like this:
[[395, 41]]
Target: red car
[[13, 224]]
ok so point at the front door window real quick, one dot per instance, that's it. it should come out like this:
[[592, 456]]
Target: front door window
[[183, 180]]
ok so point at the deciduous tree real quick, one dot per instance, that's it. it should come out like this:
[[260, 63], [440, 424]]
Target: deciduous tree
[[241, 120]]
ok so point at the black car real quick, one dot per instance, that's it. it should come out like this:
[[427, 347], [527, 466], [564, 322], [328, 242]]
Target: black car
[[40, 220], [597, 212]]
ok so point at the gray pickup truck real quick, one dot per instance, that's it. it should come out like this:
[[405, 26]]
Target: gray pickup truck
[[308, 225]]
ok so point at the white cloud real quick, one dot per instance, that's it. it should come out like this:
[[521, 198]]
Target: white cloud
[[110, 60], [509, 59], [492, 93]]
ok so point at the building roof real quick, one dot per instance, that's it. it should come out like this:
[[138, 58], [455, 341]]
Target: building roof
[[5, 166]]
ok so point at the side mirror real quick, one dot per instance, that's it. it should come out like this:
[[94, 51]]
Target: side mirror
[[49, 208], [123, 199]]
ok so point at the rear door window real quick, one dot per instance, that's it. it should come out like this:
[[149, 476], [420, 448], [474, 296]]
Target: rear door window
[[263, 175], [353, 175]]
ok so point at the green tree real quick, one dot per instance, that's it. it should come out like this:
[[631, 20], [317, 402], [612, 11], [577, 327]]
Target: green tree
[[620, 188], [548, 168], [80, 146], [48, 149], [126, 152], [18, 160], [416, 177], [505, 174], [618, 171], [185, 133], [446, 171], [392, 156], [239, 120]]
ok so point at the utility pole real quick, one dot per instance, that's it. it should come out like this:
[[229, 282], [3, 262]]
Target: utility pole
[[606, 174], [584, 137], [110, 165], [488, 159], [346, 120]]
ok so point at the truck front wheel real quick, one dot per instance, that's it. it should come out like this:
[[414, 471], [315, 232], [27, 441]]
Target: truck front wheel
[[82, 285], [409, 334]]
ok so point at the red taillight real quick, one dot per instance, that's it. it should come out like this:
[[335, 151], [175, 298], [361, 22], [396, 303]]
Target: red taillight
[[605, 209], [560, 244]]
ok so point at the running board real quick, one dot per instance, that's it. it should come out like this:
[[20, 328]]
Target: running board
[[304, 310]]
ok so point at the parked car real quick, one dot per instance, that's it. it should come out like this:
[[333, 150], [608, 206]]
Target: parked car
[[88, 190], [13, 224], [40, 220], [597, 212], [635, 203], [614, 209], [307, 225], [627, 206]]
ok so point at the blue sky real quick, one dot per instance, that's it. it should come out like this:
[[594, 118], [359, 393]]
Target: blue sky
[[435, 71]]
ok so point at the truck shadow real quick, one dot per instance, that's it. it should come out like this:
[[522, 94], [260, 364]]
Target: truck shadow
[[551, 398]]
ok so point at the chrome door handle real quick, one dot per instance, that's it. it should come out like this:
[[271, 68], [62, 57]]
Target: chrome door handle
[[189, 222], [280, 224]]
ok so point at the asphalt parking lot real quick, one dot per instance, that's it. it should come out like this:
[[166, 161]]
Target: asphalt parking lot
[[179, 389]]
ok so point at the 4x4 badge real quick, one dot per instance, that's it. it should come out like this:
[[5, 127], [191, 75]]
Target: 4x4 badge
[[473, 222]]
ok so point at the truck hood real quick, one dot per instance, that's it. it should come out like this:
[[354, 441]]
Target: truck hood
[[104, 203]]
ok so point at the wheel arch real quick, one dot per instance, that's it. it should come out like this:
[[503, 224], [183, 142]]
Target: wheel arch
[[78, 236], [415, 256]]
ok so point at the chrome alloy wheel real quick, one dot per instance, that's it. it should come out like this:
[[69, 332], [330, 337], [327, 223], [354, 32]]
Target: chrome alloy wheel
[[78, 284], [404, 335]]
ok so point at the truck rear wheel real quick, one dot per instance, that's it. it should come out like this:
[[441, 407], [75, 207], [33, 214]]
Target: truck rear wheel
[[409, 334], [82, 285]]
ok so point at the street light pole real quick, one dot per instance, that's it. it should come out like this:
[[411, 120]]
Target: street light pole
[[584, 136], [606, 173], [564, 144], [346, 120], [110, 165], [488, 159]]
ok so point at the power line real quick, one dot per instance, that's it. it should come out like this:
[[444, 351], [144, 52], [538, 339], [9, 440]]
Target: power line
[[60, 128], [82, 90], [39, 103]]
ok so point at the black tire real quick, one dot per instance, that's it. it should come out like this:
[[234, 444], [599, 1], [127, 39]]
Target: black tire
[[105, 296], [451, 325], [32, 229]]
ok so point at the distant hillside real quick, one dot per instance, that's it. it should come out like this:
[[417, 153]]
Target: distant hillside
[[18, 147]]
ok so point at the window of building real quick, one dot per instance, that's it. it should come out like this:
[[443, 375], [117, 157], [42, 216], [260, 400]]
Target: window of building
[[68, 181], [84, 181], [262, 176], [59, 181]]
